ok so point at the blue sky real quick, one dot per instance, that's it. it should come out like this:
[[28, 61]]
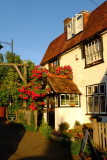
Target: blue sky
[[33, 24]]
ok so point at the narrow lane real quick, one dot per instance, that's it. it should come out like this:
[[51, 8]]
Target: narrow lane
[[18, 144]]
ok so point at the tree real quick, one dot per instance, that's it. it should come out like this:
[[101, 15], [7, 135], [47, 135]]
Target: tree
[[10, 80]]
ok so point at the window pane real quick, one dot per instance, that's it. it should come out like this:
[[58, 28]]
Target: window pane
[[67, 99], [93, 51], [90, 104], [72, 98], [102, 88], [97, 44], [62, 99], [89, 89], [76, 99], [56, 100], [79, 23], [69, 32], [96, 106], [56, 62], [102, 103], [95, 89]]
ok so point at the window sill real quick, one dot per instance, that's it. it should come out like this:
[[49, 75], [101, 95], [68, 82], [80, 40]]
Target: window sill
[[94, 63], [93, 114], [69, 107]]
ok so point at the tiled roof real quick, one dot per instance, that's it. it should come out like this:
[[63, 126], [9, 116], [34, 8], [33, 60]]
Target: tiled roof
[[63, 85], [96, 23], [54, 48]]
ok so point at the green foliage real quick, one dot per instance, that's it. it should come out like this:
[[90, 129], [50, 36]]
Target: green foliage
[[32, 118], [21, 117], [63, 126], [31, 128], [1, 58], [30, 67], [77, 123], [22, 120], [45, 129], [10, 80], [75, 147]]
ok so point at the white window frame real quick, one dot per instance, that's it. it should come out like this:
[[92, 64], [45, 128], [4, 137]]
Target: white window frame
[[69, 100], [78, 23], [93, 95], [93, 51]]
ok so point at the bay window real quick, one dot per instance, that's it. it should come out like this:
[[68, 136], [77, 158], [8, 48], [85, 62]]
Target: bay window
[[69, 100]]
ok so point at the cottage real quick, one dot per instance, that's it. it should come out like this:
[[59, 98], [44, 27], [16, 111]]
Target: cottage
[[83, 46]]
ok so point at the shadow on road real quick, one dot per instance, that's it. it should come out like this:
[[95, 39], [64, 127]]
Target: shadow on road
[[17, 144], [50, 150], [10, 136]]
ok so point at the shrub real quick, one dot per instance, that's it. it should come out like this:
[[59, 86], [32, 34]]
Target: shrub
[[31, 128], [75, 147], [21, 117], [45, 129], [63, 126], [77, 123]]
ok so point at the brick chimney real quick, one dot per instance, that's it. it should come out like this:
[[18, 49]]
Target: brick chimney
[[67, 20]]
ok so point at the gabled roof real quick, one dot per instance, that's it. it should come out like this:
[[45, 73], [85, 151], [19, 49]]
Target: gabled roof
[[63, 85], [97, 22]]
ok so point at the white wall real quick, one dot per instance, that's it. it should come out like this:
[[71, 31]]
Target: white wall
[[82, 77]]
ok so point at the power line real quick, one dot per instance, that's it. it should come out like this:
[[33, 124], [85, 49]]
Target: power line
[[94, 3]]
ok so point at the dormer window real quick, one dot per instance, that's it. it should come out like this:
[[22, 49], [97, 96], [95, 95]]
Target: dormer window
[[74, 26]]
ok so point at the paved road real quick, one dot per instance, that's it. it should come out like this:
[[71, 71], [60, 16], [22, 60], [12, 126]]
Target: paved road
[[17, 144]]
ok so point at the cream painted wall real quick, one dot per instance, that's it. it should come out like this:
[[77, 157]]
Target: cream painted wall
[[82, 77], [67, 115]]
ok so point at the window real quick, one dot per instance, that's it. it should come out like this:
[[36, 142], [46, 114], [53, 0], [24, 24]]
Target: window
[[93, 52], [55, 62], [69, 100], [79, 23], [96, 98], [75, 26], [69, 30]]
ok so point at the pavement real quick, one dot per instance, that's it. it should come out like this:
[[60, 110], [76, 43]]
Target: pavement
[[18, 144]]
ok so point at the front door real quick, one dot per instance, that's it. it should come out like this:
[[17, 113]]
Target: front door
[[51, 112], [52, 116]]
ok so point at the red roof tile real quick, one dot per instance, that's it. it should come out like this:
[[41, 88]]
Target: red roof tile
[[97, 22], [66, 85], [54, 48]]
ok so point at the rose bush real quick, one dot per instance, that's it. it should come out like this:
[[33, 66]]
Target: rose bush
[[35, 91]]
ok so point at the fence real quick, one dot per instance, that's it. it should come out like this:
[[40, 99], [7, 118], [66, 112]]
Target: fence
[[25, 116], [100, 134]]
